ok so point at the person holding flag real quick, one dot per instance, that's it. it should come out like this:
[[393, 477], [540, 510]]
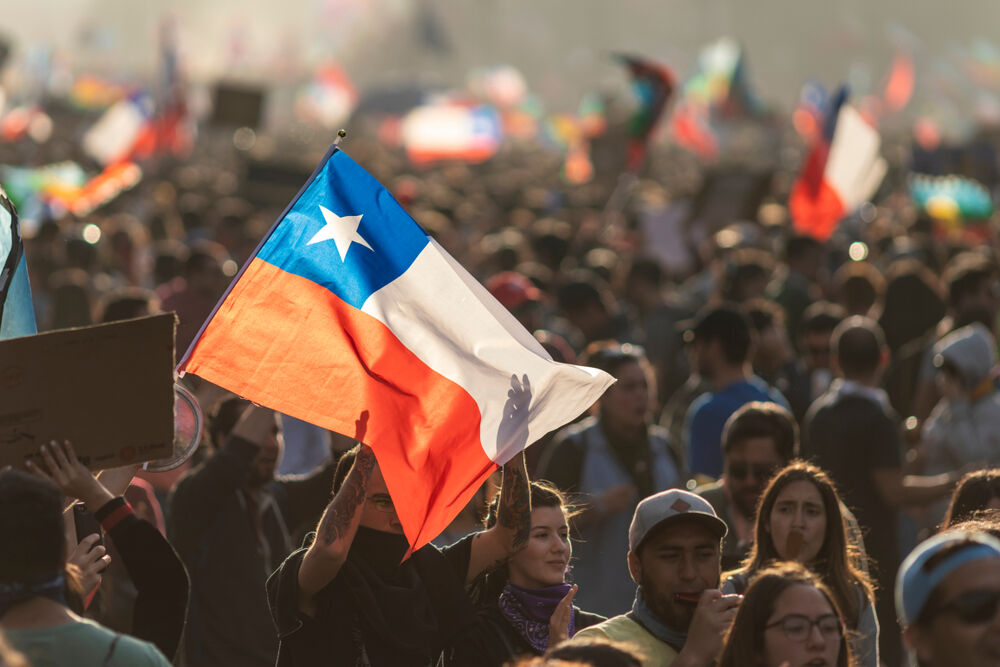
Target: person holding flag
[[349, 316], [346, 596]]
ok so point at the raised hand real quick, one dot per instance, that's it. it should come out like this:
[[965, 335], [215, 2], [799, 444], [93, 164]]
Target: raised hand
[[91, 559], [64, 470], [559, 621], [513, 432]]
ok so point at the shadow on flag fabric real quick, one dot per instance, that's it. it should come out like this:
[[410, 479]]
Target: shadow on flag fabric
[[17, 313], [349, 316], [841, 172], [653, 84]]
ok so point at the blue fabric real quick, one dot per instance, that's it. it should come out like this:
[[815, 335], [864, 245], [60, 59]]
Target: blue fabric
[[708, 414], [17, 313], [345, 189]]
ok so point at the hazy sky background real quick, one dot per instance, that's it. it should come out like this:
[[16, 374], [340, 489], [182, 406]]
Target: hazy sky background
[[560, 45]]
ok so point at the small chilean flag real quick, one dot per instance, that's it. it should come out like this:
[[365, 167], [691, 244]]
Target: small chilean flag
[[349, 311], [841, 172]]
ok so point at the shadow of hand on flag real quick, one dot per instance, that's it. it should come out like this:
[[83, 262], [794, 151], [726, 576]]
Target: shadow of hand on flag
[[513, 432]]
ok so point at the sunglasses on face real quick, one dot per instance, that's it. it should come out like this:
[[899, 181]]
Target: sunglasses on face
[[743, 470], [797, 627], [973, 607]]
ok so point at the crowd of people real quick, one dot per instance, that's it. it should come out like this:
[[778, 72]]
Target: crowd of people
[[798, 464]]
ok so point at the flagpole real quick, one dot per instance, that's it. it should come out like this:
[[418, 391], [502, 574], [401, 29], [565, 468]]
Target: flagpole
[[322, 163]]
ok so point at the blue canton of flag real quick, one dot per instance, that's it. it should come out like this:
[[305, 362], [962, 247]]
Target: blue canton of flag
[[374, 239]]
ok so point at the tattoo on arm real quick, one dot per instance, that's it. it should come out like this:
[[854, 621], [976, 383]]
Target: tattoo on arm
[[514, 512], [341, 511]]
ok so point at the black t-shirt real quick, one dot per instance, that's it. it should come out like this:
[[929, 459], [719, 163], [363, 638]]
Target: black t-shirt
[[849, 437], [409, 619]]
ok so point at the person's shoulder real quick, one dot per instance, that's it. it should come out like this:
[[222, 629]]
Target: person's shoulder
[[585, 619], [623, 629], [616, 628], [130, 651]]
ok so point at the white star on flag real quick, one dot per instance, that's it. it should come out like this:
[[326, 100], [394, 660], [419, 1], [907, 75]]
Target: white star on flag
[[342, 229]]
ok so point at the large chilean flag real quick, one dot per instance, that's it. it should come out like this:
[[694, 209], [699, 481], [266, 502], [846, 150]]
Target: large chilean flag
[[347, 308]]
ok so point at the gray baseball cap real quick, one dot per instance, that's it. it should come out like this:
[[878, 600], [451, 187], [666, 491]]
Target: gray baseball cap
[[672, 505]]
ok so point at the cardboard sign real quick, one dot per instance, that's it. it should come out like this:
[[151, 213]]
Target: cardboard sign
[[108, 389]]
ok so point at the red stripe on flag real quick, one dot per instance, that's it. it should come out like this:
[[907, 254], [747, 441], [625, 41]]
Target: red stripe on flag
[[815, 213], [283, 341]]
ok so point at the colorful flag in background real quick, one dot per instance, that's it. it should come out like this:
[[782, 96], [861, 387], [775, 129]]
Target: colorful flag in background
[[448, 131], [17, 313], [348, 311], [841, 172], [653, 84]]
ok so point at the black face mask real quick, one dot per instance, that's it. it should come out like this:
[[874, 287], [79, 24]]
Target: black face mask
[[382, 552]]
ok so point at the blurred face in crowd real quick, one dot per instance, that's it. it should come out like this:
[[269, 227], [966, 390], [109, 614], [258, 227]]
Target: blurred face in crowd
[[816, 349], [625, 405], [682, 557], [799, 510], [379, 512], [772, 349], [803, 630], [964, 623], [544, 560], [749, 466], [266, 462], [705, 354]]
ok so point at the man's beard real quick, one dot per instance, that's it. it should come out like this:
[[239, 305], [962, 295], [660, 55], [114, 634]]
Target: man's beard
[[672, 614]]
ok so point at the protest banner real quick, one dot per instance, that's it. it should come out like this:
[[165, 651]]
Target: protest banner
[[108, 389]]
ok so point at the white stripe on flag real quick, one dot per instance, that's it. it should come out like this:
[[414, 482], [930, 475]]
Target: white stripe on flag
[[445, 317], [852, 168]]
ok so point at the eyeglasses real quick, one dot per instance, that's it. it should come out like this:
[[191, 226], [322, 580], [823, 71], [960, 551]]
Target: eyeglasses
[[797, 627], [742, 470], [382, 503], [973, 607]]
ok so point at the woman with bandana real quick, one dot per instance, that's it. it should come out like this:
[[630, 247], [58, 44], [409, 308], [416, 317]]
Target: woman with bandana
[[526, 606]]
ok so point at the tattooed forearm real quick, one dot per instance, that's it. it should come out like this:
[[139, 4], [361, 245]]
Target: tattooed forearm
[[514, 512], [340, 513]]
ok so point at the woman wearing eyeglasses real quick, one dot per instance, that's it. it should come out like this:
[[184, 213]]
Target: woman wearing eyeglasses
[[608, 462], [526, 605], [800, 519], [788, 618]]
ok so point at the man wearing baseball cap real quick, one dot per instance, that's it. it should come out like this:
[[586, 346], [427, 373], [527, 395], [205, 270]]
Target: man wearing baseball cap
[[679, 616], [948, 598]]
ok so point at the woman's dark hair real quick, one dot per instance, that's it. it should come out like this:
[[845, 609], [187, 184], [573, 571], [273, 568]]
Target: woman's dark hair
[[31, 522], [972, 495], [744, 644], [543, 494], [837, 560]]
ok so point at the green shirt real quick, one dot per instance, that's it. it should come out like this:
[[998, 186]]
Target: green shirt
[[83, 644], [653, 651]]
